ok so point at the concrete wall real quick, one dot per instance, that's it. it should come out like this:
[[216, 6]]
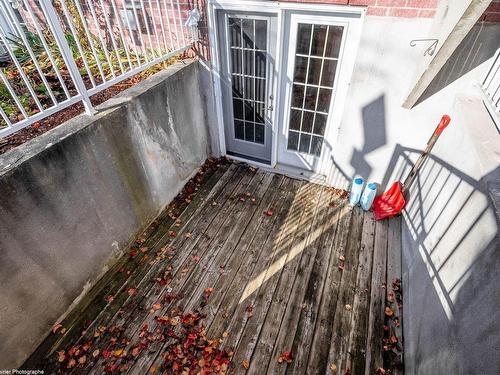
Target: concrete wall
[[73, 197], [450, 233]]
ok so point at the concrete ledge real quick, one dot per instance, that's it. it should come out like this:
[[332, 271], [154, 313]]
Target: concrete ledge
[[72, 198]]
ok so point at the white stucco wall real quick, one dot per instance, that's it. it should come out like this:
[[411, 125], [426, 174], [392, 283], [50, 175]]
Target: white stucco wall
[[450, 231]]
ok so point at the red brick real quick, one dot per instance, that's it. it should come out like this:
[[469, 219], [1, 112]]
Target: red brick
[[362, 2], [403, 12], [427, 13], [422, 4], [492, 17], [494, 7], [377, 11], [391, 3], [344, 2]]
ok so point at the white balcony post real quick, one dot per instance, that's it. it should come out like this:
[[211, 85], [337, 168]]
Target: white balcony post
[[62, 43]]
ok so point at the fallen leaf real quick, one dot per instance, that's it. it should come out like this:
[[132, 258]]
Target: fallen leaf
[[341, 267], [118, 353], [245, 364], [156, 306], [196, 258], [61, 356], [82, 359], [390, 298], [347, 371], [135, 351], [131, 291], [333, 368], [348, 307], [388, 311], [95, 353], [71, 363], [380, 371], [172, 233], [56, 327], [214, 203], [109, 299], [152, 369], [249, 310], [394, 339], [207, 292], [188, 235], [268, 213], [342, 258], [143, 249], [285, 357]]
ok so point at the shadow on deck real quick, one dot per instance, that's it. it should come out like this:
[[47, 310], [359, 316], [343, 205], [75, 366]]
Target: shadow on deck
[[254, 266]]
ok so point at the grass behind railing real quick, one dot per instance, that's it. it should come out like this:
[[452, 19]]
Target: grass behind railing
[[22, 55]]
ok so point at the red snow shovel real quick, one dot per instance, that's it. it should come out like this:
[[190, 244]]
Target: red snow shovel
[[393, 200]]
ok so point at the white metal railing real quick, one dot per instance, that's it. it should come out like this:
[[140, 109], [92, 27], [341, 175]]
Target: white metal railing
[[491, 89], [55, 53]]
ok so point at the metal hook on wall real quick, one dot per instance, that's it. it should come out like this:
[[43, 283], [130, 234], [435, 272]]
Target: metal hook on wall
[[432, 48]]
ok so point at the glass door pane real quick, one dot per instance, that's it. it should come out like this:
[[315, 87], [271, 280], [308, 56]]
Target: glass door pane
[[248, 69], [316, 57]]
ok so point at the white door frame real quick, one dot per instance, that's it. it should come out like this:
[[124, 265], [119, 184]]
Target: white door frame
[[279, 10]]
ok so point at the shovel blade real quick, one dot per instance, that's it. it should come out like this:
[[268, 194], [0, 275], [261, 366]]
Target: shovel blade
[[390, 203]]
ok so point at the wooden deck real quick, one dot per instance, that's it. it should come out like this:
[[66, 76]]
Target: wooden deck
[[274, 264]]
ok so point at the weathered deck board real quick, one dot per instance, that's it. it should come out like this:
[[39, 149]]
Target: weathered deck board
[[279, 281], [374, 345]]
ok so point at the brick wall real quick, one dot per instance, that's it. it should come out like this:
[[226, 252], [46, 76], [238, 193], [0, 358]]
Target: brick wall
[[389, 8], [492, 14]]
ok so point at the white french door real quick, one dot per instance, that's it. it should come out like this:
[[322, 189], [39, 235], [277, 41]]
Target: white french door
[[248, 43], [314, 84], [283, 72]]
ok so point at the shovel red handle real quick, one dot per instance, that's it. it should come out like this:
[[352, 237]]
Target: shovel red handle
[[445, 121]]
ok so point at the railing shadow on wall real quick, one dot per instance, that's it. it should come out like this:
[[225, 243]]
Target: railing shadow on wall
[[450, 265]]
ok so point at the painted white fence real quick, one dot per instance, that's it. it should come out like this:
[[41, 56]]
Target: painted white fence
[[54, 53], [491, 89]]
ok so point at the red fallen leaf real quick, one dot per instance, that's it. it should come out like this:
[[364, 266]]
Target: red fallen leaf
[[393, 339], [71, 363], [268, 213], [245, 364], [249, 310], [122, 269], [133, 253], [347, 371], [388, 311], [171, 233], [156, 306], [386, 328], [131, 291], [111, 367], [333, 204], [285, 357], [61, 356], [143, 249], [56, 327], [109, 299], [380, 371], [136, 351], [196, 258], [207, 293], [82, 359], [106, 353], [341, 267]]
